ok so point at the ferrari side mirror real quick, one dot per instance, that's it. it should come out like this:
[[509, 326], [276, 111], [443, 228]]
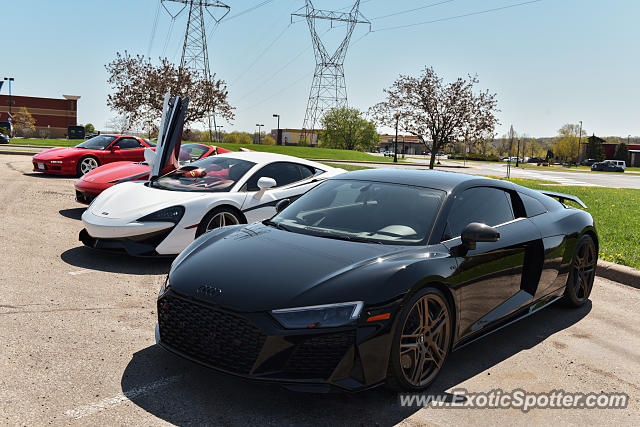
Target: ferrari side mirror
[[115, 148], [477, 232], [282, 204]]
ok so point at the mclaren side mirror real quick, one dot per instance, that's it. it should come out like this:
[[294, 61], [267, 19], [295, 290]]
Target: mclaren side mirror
[[477, 232], [282, 204], [266, 183]]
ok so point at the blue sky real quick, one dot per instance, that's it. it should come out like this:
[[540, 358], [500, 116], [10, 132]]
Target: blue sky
[[550, 62]]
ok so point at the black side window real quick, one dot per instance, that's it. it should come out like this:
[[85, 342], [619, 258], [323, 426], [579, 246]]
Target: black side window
[[283, 172], [531, 205], [128, 143], [306, 171], [486, 205]]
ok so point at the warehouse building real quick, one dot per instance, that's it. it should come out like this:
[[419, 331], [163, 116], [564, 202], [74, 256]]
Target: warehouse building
[[53, 116]]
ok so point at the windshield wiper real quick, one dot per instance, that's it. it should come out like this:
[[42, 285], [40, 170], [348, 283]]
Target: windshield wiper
[[339, 236], [277, 225]]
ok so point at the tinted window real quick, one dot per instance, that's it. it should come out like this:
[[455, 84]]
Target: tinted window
[[307, 171], [99, 142], [480, 204], [128, 143], [364, 211], [283, 172], [531, 205]]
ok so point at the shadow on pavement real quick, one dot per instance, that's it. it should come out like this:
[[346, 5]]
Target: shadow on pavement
[[92, 259], [47, 176], [75, 213], [198, 395]]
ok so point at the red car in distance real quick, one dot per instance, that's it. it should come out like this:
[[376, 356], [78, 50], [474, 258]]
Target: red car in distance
[[90, 154], [99, 179]]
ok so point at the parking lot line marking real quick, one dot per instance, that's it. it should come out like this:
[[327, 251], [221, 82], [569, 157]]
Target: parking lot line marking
[[111, 402], [84, 271]]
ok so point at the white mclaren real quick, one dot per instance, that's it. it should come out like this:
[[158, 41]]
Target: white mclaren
[[177, 204], [163, 216]]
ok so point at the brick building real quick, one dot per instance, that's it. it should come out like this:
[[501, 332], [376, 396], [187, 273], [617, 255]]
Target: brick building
[[52, 115]]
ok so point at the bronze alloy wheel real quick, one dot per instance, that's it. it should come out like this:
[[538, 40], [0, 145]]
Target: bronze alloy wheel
[[424, 340], [582, 273]]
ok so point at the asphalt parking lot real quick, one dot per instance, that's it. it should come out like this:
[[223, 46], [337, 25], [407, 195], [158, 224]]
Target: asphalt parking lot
[[76, 333]]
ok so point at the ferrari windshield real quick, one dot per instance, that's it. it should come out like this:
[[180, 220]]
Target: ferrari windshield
[[364, 211], [99, 142], [214, 174]]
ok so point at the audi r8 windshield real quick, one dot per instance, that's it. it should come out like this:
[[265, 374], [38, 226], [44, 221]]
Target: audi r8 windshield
[[213, 174], [99, 142], [364, 211]]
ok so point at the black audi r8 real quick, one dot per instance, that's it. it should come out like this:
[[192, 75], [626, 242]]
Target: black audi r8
[[374, 276]]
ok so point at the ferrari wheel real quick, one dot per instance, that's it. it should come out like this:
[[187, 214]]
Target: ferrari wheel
[[421, 342], [582, 272], [86, 165], [219, 217]]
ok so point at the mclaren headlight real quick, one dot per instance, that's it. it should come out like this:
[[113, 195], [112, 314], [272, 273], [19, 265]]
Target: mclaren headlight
[[319, 316], [172, 214]]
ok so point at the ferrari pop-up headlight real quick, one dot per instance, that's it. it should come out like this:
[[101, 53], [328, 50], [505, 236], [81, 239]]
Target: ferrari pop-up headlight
[[319, 316]]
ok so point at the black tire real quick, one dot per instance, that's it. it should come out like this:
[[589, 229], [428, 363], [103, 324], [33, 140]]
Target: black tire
[[582, 272], [433, 344], [220, 216], [90, 162]]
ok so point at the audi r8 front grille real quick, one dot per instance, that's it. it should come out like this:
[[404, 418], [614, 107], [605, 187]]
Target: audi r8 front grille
[[214, 337], [318, 356]]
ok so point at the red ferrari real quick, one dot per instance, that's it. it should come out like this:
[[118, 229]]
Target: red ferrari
[[98, 180], [94, 152]]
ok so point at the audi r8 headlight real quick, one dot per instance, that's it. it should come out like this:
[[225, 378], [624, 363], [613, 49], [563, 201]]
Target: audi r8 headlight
[[319, 316], [172, 214]]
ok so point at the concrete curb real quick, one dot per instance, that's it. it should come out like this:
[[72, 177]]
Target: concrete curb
[[28, 153], [619, 273]]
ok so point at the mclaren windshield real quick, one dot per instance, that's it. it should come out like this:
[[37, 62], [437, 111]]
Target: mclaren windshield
[[212, 174], [364, 211]]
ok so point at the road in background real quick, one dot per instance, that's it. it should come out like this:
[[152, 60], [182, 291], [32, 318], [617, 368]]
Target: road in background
[[77, 343]]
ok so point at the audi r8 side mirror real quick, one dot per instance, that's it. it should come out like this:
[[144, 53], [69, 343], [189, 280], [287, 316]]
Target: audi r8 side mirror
[[282, 204], [476, 232]]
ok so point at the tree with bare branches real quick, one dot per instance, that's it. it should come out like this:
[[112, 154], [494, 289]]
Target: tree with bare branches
[[139, 87], [437, 113]]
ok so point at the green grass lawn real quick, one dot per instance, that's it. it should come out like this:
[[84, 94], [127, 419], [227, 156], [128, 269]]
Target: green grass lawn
[[305, 152], [616, 212], [558, 168], [348, 168]]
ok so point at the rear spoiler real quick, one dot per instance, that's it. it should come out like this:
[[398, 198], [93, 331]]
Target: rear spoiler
[[562, 197]]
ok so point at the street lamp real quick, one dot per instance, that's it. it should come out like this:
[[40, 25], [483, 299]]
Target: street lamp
[[279, 141], [10, 79], [579, 141], [395, 143], [218, 132], [259, 133]]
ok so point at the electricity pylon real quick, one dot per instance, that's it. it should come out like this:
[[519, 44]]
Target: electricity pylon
[[194, 51], [328, 89]]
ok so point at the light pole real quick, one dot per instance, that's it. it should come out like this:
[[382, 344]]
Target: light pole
[[579, 139], [279, 141], [518, 154], [259, 132], [219, 133], [395, 144], [10, 79]]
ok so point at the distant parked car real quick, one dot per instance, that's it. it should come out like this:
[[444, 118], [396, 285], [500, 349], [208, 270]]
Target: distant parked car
[[4, 139], [609, 166], [8, 127], [536, 160], [588, 162]]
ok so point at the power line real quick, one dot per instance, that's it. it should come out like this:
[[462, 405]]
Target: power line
[[480, 12], [250, 9], [264, 51], [153, 30], [412, 10]]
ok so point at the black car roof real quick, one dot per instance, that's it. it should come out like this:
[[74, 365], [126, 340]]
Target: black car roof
[[440, 180]]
